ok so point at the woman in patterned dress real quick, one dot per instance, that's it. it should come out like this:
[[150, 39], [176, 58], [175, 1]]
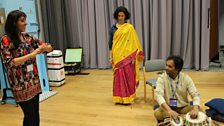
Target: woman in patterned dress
[[18, 52]]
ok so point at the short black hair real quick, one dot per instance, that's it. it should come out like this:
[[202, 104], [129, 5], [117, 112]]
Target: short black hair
[[122, 9], [10, 26], [178, 62]]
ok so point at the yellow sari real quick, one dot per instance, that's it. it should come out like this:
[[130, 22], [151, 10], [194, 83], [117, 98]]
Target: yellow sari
[[127, 56]]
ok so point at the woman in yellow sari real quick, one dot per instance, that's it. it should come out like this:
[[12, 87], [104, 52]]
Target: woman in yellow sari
[[126, 56]]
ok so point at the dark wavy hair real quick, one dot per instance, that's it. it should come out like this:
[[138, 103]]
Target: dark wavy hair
[[178, 62], [122, 9], [11, 28]]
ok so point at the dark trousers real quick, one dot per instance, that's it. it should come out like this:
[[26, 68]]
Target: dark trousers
[[31, 111]]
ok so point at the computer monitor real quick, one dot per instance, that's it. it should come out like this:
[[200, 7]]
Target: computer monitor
[[73, 55]]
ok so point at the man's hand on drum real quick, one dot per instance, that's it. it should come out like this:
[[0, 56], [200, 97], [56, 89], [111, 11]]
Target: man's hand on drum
[[194, 112], [173, 114]]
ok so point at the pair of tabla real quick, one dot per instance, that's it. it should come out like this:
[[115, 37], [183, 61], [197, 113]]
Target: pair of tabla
[[201, 120]]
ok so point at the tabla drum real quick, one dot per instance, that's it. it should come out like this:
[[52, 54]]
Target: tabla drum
[[171, 122], [201, 120], [179, 122]]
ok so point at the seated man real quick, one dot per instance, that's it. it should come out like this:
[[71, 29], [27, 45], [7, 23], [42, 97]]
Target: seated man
[[171, 92]]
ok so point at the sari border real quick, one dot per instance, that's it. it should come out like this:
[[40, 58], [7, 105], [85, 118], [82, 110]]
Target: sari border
[[141, 54], [124, 100], [126, 60]]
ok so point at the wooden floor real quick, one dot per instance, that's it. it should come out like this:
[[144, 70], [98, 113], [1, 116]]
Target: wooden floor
[[86, 100]]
